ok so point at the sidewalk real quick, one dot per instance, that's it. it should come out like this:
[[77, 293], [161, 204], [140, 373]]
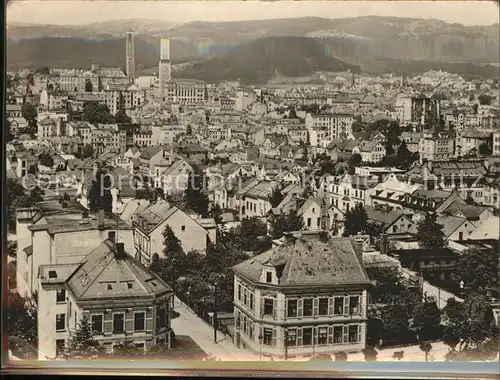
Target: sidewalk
[[188, 323]]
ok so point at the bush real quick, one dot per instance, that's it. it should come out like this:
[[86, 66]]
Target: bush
[[398, 355], [340, 356], [370, 354]]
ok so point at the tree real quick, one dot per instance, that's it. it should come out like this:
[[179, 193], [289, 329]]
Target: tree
[[276, 197], [46, 159], [427, 320], [426, 347], [286, 223], [355, 220], [99, 194], [173, 263], [430, 232], [356, 159], [484, 99], [97, 113], [29, 111], [21, 318], [471, 97], [195, 196], [484, 149], [35, 196], [398, 355], [478, 269], [121, 117], [127, 348], [216, 213], [88, 151], [83, 343], [395, 326]]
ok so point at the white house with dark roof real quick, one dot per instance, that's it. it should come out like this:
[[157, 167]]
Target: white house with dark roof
[[149, 224], [121, 298], [391, 221], [55, 232], [307, 296]]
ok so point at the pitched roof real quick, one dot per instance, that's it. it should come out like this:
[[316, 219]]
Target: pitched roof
[[151, 217], [104, 275], [308, 261], [384, 217], [471, 212], [490, 229]]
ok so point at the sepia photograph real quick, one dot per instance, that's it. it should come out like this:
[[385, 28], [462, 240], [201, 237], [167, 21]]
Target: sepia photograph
[[298, 187]]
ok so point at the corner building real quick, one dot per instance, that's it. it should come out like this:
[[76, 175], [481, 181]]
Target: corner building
[[305, 297]]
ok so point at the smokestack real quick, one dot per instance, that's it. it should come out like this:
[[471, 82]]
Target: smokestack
[[120, 250], [130, 57], [100, 219], [112, 236]]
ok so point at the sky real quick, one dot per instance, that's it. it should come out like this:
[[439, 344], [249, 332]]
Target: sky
[[74, 12]]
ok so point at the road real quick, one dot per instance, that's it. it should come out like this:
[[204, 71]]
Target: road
[[188, 323]]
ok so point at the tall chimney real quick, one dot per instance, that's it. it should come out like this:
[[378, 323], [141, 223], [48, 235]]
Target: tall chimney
[[100, 219], [112, 236]]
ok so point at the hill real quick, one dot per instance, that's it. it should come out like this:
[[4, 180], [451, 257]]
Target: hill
[[359, 37], [55, 52], [257, 61]]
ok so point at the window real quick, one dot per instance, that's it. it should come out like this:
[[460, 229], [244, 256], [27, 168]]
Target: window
[[292, 308], [307, 336], [269, 277], [292, 338], [318, 221], [161, 317], [239, 292], [60, 322], [96, 324], [314, 210], [251, 301], [118, 325], [338, 306], [337, 334], [354, 305], [60, 344], [353, 333], [323, 306], [183, 228], [139, 321], [308, 307], [268, 306], [245, 293], [308, 222], [268, 337], [61, 295], [322, 335], [129, 285]]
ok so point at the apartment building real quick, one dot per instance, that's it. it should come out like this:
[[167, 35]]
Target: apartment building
[[305, 297], [56, 232], [121, 298], [253, 199], [436, 146], [186, 91], [328, 127], [122, 96]]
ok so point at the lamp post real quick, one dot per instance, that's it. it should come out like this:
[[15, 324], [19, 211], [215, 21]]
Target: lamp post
[[260, 341], [215, 312], [286, 344]]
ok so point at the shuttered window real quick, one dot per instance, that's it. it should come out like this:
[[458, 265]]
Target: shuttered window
[[129, 321], [346, 305], [315, 307], [307, 336], [338, 306], [337, 334], [118, 323], [300, 307], [330, 306], [108, 322], [267, 337], [97, 324], [323, 304], [149, 319]]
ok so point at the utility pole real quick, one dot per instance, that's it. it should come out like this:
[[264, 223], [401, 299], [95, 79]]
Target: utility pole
[[215, 312], [286, 344]]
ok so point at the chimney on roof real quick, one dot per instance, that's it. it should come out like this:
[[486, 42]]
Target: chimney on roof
[[358, 248], [100, 219], [112, 236], [120, 250]]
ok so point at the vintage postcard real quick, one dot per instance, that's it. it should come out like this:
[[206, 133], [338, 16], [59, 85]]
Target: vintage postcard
[[228, 184]]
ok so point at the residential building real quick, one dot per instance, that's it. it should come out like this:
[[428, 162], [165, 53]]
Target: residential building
[[253, 198], [496, 144], [55, 232], [326, 127], [121, 298], [151, 222], [305, 297], [436, 146], [370, 151], [392, 222], [123, 96]]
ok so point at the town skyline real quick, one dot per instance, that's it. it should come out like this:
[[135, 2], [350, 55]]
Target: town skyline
[[33, 12]]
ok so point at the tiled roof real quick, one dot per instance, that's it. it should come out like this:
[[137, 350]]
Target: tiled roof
[[103, 275], [155, 214], [384, 217], [309, 261], [471, 212]]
